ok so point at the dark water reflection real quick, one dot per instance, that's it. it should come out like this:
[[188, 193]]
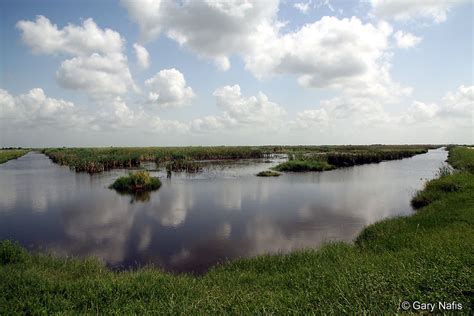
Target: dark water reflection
[[193, 222]]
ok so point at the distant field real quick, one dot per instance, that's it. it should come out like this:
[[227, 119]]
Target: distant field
[[94, 160], [9, 154]]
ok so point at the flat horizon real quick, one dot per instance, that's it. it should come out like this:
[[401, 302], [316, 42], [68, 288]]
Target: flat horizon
[[139, 73]]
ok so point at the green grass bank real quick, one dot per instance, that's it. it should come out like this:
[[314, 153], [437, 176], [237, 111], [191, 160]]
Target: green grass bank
[[427, 257], [9, 154]]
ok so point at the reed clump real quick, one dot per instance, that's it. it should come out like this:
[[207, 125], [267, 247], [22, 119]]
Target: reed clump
[[268, 173], [183, 165], [136, 182], [304, 165]]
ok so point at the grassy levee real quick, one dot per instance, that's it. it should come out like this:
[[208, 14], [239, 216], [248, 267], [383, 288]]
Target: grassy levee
[[427, 257], [9, 154]]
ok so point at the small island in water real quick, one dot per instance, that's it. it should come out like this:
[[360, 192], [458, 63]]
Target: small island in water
[[137, 182], [268, 173]]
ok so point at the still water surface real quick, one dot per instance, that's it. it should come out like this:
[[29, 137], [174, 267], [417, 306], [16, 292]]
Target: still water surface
[[193, 222]]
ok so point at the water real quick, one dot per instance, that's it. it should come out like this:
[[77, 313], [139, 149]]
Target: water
[[193, 222]]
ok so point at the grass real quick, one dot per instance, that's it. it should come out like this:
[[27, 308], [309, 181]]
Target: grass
[[94, 160], [183, 165], [461, 158], [327, 160], [304, 165], [435, 190], [347, 159], [427, 257], [268, 173], [9, 154], [140, 181]]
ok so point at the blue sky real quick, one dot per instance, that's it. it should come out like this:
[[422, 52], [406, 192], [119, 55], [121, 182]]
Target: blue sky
[[236, 72]]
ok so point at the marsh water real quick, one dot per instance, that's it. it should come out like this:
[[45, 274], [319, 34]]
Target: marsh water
[[196, 221]]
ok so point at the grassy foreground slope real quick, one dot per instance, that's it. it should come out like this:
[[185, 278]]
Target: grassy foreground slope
[[9, 154], [427, 257]]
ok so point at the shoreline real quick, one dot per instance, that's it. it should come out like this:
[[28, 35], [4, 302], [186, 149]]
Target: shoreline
[[10, 154], [420, 257]]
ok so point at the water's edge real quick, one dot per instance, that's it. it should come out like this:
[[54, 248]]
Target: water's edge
[[193, 223]]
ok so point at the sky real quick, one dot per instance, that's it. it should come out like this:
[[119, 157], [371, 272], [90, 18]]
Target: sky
[[235, 72]]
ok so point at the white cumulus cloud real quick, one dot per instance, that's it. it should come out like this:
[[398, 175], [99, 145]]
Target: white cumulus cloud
[[254, 109], [423, 111], [98, 75], [311, 118], [44, 37], [212, 29], [143, 57], [402, 10], [98, 66], [238, 111], [335, 53], [343, 54], [345, 112], [168, 89], [457, 106], [35, 111], [303, 7], [406, 40], [460, 102], [34, 108]]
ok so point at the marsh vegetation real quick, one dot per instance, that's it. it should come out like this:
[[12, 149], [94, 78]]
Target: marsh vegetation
[[179, 159], [94, 160], [136, 182], [304, 165], [425, 257], [353, 158], [461, 158], [183, 165], [268, 173], [345, 157], [9, 154]]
